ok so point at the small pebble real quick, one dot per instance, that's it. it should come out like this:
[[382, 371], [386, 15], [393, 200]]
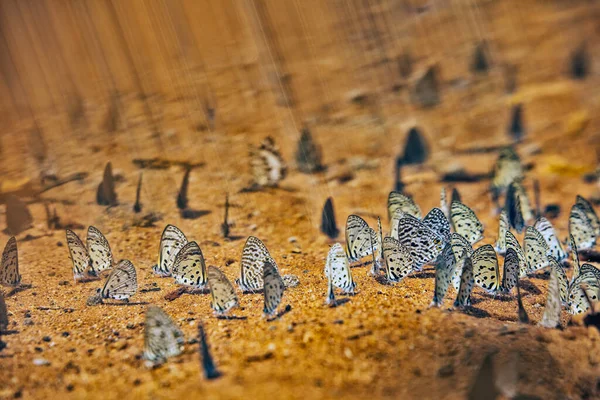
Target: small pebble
[[40, 361], [446, 371], [47, 339], [27, 321]]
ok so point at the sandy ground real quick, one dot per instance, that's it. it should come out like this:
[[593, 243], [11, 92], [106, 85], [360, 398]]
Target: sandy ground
[[384, 342]]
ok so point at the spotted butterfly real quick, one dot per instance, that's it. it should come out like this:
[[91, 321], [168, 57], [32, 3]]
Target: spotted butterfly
[[171, 241], [465, 222], [162, 338], [9, 270]]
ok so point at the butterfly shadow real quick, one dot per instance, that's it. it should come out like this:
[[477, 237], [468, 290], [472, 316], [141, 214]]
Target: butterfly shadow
[[18, 289], [503, 297], [422, 275], [189, 213], [130, 303], [232, 317], [8, 332], [589, 255], [338, 302], [529, 287], [475, 312], [281, 313], [234, 238], [29, 237]]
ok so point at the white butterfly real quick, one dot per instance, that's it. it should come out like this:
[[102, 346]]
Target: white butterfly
[[361, 240], [536, 250], [444, 270], [400, 201], [398, 262], [466, 284], [503, 226], [465, 222], [423, 244], [121, 284], [581, 228], [221, 290], [90, 260], [337, 269], [485, 268], [171, 241], [268, 167], [254, 255], [189, 268], [273, 289], [551, 317], [547, 230]]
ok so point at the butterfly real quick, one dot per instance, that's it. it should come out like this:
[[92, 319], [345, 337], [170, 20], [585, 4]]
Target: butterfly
[[106, 195], [536, 250], [444, 203], [377, 251], [171, 241], [574, 258], [460, 248], [547, 230], [9, 272], [507, 169], [337, 269], [580, 227], [18, 216], [361, 240], [590, 268], [254, 255], [221, 290], [274, 288], [466, 284], [513, 243], [465, 222], [208, 365], [400, 201], [561, 276], [189, 268], [90, 260], [588, 209], [486, 273], [514, 210], [162, 338], [423, 244], [525, 204], [397, 216], [121, 284], [503, 226], [511, 270], [577, 299], [444, 270], [268, 167], [551, 317], [437, 222], [398, 263]]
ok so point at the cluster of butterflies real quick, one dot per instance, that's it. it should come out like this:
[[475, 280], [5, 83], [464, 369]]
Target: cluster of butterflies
[[184, 262], [445, 238]]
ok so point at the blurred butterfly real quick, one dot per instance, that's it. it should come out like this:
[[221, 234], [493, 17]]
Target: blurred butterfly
[[510, 275], [465, 222], [551, 317], [189, 268], [503, 226], [254, 255], [3, 313], [162, 338], [400, 201], [507, 169], [486, 272], [588, 209], [221, 290], [273, 290], [377, 251], [444, 203], [526, 210], [547, 230], [561, 277], [466, 284], [514, 210], [171, 241], [581, 228], [577, 299], [121, 284], [461, 248], [361, 240], [268, 167], [536, 250], [337, 269], [574, 258], [398, 262], [444, 270], [423, 244], [9, 272], [89, 261]]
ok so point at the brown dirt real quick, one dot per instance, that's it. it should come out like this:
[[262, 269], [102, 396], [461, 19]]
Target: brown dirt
[[385, 342]]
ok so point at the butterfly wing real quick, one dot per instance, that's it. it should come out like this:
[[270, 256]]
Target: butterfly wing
[[502, 228], [79, 255], [398, 263], [588, 209], [485, 268], [254, 255], [437, 222], [339, 267], [189, 268], [99, 251], [460, 248], [9, 274], [162, 338], [513, 243], [511, 270], [465, 222], [444, 270], [361, 240], [578, 302], [513, 208], [466, 284], [268, 167], [561, 277], [536, 250], [396, 217], [580, 227], [423, 244], [574, 257], [547, 230], [121, 284], [221, 290], [444, 203], [274, 288], [400, 201], [171, 241]]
